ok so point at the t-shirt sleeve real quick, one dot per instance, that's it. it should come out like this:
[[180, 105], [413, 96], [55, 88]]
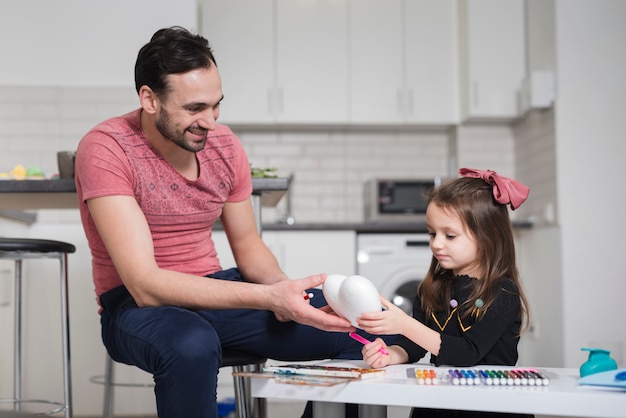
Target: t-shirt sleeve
[[243, 179], [102, 168]]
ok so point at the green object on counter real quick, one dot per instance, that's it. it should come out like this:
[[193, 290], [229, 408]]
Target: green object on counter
[[34, 172], [263, 172], [599, 361]]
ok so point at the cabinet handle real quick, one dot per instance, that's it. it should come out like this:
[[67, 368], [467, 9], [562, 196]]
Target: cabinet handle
[[413, 243]]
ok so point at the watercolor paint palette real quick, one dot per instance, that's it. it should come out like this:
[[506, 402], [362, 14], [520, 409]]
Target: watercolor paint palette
[[477, 377]]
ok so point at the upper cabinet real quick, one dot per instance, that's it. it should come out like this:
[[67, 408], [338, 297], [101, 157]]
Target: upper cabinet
[[241, 33], [367, 62], [403, 68], [493, 57], [281, 61], [311, 61]]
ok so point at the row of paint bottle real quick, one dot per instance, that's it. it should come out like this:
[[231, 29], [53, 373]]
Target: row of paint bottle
[[472, 377]]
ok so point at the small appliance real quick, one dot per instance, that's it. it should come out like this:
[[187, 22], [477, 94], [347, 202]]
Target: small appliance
[[397, 200]]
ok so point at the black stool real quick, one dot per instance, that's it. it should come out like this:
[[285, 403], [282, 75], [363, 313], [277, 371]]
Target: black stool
[[19, 249], [238, 360]]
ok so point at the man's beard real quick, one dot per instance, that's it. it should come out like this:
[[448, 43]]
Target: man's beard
[[165, 128]]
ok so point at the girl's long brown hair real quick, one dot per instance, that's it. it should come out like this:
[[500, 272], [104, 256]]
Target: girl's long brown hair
[[488, 221]]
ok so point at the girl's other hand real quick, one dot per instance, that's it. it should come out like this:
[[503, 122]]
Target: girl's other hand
[[392, 320]]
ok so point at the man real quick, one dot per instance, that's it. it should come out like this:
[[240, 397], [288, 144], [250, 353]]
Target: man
[[151, 185]]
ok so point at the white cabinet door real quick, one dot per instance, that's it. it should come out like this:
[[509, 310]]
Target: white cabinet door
[[312, 63], [493, 54], [303, 253], [403, 69], [432, 68], [376, 62], [241, 33], [281, 61]]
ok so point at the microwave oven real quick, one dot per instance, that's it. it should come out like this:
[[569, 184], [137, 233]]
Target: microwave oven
[[397, 200]]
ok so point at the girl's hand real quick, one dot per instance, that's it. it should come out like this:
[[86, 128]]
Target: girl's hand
[[374, 358], [392, 320], [372, 354]]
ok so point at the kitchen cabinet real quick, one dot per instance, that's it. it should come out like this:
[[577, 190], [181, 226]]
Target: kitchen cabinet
[[403, 68], [241, 33], [311, 61], [302, 253], [493, 57], [282, 61]]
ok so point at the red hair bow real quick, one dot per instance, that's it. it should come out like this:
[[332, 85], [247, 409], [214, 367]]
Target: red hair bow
[[505, 190]]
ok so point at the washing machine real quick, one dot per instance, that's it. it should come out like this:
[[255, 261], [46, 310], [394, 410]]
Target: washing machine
[[395, 263]]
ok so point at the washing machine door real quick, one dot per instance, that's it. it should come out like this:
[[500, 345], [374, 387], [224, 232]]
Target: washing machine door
[[401, 287], [404, 296]]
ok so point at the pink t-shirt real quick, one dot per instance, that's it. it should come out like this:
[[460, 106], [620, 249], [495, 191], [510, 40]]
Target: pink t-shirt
[[115, 158]]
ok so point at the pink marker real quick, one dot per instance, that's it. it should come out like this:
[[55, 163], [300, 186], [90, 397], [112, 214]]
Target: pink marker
[[362, 340]]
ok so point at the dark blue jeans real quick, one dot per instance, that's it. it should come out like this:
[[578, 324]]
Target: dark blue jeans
[[182, 349]]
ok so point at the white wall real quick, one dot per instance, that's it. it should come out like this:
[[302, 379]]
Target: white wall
[[572, 260], [81, 42], [590, 150]]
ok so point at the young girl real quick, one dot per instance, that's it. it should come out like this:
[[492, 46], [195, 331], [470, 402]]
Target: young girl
[[470, 307]]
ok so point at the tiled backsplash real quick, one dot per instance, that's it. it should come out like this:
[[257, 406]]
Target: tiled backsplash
[[535, 156], [329, 164]]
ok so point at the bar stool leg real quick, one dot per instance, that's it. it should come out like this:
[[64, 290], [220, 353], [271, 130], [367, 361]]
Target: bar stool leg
[[17, 337], [243, 409], [260, 404], [17, 350], [65, 321], [257, 407], [107, 409]]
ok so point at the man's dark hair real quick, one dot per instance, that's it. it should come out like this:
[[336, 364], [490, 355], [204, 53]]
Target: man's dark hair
[[172, 50]]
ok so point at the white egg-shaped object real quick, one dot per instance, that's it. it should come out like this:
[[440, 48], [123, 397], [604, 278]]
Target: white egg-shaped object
[[351, 296]]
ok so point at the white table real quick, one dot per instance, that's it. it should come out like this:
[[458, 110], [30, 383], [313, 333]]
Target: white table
[[562, 397]]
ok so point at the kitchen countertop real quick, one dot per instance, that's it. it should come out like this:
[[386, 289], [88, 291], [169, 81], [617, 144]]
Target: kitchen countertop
[[61, 193], [17, 195], [366, 227], [359, 227]]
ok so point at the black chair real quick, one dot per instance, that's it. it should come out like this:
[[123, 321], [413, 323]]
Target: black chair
[[238, 360], [19, 249]]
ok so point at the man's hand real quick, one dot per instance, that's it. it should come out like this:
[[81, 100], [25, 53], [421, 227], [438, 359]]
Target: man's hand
[[289, 304]]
